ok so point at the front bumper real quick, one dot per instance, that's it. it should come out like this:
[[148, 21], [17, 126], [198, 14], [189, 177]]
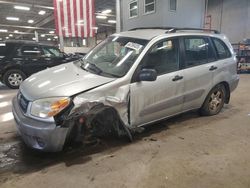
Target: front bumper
[[45, 136]]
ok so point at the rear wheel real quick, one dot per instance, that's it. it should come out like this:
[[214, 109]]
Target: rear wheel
[[13, 78], [215, 101]]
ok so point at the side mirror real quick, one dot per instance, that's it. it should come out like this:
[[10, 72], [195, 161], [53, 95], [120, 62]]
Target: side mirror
[[147, 75]]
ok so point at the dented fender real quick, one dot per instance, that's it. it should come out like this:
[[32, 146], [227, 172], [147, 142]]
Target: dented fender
[[104, 111], [116, 98]]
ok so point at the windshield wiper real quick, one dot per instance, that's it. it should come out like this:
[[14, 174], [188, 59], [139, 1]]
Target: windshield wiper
[[82, 66], [93, 67], [87, 65]]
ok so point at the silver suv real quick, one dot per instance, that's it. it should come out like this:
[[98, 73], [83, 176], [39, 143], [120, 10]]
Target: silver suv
[[129, 80]]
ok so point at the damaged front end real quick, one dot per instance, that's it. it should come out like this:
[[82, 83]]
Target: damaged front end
[[95, 114]]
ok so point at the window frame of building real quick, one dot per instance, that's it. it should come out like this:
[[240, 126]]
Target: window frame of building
[[137, 9], [147, 4], [170, 9]]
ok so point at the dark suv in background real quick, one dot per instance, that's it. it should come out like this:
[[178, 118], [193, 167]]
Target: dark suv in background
[[20, 59]]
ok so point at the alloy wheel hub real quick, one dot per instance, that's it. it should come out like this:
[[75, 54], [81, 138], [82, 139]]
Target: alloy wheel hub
[[15, 79], [215, 100]]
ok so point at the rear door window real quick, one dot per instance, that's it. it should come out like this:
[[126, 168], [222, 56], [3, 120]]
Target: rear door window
[[30, 51], [221, 49], [163, 57], [2, 50], [198, 51]]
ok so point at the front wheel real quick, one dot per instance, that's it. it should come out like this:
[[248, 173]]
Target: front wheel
[[214, 102], [13, 78]]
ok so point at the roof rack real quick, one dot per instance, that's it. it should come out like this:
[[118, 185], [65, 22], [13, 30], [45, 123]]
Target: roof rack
[[20, 41], [26, 42], [174, 29], [138, 28]]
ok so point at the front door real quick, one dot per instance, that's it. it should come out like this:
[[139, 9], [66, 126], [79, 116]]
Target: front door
[[53, 56], [151, 101]]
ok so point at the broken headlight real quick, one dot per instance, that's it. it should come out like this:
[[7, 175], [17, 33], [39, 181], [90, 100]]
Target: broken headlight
[[48, 107]]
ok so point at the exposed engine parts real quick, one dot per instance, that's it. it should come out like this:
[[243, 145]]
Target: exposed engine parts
[[99, 121]]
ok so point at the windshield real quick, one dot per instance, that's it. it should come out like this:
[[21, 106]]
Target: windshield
[[114, 56]]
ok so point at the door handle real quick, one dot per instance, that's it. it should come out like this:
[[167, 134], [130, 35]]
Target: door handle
[[177, 77], [213, 68]]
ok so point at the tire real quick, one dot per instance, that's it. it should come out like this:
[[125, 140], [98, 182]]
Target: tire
[[13, 78], [214, 101]]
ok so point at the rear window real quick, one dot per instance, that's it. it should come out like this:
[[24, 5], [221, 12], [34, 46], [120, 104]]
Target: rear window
[[6, 49], [221, 49]]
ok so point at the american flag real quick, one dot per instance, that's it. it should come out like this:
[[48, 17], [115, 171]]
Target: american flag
[[75, 18]]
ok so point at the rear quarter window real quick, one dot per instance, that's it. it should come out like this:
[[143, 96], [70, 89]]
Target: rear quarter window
[[2, 51], [221, 49]]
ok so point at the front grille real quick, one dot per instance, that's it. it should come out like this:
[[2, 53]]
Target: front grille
[[23, 102]]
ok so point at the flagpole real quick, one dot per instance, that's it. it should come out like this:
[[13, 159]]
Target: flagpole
[[118, 16], [61, 43]]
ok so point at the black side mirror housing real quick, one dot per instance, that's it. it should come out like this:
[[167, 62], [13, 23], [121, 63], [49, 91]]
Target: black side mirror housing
[[148, 75]]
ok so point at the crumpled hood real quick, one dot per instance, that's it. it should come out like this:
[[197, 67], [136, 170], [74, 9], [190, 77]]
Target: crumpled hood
[[63, 80]]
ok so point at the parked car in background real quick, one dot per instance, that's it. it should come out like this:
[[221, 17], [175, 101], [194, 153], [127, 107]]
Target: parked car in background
[[20, 59], [129, 80]]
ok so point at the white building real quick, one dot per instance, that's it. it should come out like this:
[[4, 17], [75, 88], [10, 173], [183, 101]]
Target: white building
[[159, 13], [231, 17]]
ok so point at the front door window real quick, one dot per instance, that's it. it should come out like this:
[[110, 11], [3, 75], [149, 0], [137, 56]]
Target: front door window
[[163, 57]]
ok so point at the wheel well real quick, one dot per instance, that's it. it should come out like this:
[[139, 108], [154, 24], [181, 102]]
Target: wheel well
[[14, 68], [226, 85], [100, 121], [106, 119]]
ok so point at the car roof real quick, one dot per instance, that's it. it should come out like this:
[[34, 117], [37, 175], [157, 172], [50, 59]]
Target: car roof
[[149, 33], [26, 42]]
